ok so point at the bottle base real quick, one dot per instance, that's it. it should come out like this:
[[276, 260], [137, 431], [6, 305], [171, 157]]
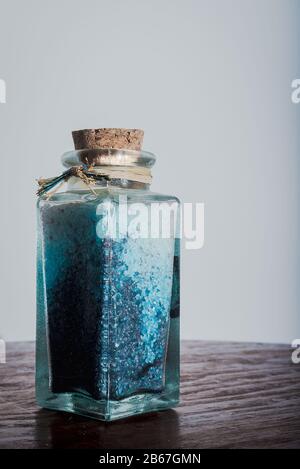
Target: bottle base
[[109, 410]]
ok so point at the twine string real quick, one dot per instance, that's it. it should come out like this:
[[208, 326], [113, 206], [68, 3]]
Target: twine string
[[91, 175]]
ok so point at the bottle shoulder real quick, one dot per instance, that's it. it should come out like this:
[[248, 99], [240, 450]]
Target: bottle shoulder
[[115, 195]]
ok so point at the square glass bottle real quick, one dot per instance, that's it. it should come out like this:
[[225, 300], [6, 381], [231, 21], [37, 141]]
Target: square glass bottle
[[107, 283]]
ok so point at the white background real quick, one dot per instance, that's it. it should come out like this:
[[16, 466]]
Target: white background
[[210, 82]]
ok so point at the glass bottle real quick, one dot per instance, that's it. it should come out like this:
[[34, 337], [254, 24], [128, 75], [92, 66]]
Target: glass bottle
[[108, 290]]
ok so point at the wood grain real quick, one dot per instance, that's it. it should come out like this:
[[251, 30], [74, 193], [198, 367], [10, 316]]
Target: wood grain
[[234, 395]]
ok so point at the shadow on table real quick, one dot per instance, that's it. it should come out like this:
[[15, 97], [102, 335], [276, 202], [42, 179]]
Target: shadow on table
[[63, 430]]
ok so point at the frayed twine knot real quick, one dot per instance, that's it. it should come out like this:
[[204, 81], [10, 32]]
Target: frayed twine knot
[[51, 185]]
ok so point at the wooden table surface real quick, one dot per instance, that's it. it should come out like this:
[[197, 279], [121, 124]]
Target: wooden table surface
[[234, 395]]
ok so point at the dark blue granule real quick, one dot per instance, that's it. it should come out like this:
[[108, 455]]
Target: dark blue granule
[[175, 305], [74, 300]]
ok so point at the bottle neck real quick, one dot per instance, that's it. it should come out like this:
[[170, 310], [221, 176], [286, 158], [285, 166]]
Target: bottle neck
[[125, 169]]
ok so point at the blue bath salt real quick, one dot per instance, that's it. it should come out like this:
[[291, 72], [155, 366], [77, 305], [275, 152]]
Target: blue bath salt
[[141, 283], [109, 303]]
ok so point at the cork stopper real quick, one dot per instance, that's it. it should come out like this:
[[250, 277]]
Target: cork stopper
[[127, 139]]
